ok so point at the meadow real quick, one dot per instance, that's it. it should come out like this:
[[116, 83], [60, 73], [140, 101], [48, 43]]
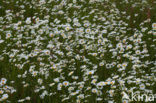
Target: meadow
[[77, 51]]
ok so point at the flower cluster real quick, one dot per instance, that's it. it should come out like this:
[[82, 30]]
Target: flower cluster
[[75, 52], [5, 90]]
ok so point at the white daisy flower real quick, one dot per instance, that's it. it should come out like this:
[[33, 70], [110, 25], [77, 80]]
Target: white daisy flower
[[28, 21], [94, 90], [66, 83]]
